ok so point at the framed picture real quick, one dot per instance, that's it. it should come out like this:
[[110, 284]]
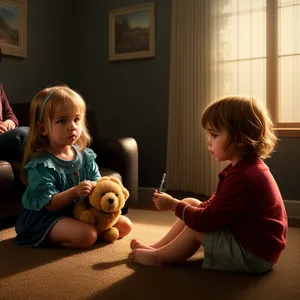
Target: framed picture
[[131, 32], [13, 27]]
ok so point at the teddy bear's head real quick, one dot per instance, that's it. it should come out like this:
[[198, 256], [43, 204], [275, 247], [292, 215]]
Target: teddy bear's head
[[109, 195]]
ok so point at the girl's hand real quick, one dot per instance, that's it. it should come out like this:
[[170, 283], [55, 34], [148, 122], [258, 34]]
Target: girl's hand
[[162, 201], [84, 188]]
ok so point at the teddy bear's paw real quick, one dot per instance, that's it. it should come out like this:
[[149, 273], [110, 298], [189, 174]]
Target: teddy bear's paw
[[110, 235], [87, 217]]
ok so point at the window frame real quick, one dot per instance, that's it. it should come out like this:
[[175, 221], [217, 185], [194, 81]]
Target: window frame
[[272, 94]]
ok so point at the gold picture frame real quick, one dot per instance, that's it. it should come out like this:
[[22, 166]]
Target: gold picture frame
[[13, 27], [132, 32]]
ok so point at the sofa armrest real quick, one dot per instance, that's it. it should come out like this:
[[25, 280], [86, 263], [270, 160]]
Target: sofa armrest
[[120, 155]]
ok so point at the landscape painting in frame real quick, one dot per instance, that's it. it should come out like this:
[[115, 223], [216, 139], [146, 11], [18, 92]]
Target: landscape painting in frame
[[131, 32], [13, 18]]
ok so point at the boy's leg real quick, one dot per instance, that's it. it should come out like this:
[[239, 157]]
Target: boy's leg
[[177, 227], [173, 232], [179, 249]]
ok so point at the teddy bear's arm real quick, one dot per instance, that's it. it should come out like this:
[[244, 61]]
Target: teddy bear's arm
[[78, 208], [82, 213]]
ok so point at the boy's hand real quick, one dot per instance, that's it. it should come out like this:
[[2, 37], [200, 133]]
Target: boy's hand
[[162, 201], [84, 188]]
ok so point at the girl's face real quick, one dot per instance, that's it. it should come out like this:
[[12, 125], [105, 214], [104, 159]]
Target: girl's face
[[65, 128], [216, 142]]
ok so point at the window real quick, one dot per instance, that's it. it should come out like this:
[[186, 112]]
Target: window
[[257, 50]]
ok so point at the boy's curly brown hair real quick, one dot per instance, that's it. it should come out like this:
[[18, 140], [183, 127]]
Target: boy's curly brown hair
[[245, 120]]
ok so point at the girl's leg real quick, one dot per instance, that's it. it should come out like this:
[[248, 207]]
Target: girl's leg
[[71, 233], [173, 233], [179, 249], [124, 226]]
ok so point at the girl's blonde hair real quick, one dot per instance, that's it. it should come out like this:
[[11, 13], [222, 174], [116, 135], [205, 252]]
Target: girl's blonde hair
[[60, 96], [246, 121]]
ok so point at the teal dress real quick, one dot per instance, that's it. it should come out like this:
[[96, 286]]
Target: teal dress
[[48, 175]]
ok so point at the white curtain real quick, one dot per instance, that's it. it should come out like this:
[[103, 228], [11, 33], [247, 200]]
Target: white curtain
[[190, 166]]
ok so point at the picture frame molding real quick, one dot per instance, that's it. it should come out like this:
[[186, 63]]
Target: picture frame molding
[[113, 56], [19, 50]]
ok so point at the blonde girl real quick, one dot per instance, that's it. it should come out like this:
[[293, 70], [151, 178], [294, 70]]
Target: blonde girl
[[58, 170], [243, 226]]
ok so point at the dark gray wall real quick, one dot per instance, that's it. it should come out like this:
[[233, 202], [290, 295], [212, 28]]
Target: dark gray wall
[[285, 166], [68, 41], [129, 97], [49, 51]]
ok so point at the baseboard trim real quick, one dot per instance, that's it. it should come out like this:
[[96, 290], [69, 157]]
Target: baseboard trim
[[292, 206], [146, 194]]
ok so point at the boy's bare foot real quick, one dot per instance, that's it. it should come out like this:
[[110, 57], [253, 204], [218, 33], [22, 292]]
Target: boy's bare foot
[[145, 257], [135, 244]]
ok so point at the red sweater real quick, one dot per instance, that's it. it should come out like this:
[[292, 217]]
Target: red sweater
[[248, 201], [6, 113]]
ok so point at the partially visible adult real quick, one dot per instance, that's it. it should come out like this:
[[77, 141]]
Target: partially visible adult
[[12, 137]]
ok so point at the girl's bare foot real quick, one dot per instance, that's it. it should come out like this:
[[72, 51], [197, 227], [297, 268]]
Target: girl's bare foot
[[145, 257], [135, 244]]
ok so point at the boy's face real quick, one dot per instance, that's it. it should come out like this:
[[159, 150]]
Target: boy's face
[[216, 142], [65, 127]]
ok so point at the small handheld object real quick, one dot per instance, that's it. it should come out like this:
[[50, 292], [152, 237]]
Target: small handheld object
[[162, 182]]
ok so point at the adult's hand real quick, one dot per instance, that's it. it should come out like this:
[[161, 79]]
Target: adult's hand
[[3, 128], [9, 124]]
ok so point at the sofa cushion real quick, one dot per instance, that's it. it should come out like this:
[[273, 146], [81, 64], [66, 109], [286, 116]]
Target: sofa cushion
[[7, 176], [109, 172]]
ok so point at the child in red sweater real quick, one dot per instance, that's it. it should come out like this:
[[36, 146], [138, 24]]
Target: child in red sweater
[[243, 226]]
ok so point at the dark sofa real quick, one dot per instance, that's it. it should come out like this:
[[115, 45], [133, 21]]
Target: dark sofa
[[115, 157]]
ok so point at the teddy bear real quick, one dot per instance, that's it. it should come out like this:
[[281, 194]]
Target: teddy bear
[[103, 207]]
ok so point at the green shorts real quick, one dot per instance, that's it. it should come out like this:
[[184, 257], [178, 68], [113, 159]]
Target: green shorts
[[224, 253]]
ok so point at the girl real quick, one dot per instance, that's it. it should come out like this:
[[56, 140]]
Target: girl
[[58, 170], [243, 225]]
